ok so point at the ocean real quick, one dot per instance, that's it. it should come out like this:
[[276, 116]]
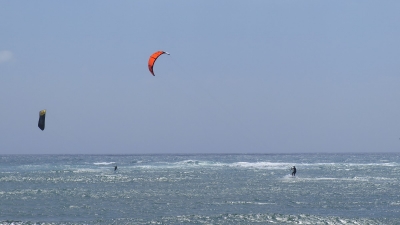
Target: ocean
[[200, 189]]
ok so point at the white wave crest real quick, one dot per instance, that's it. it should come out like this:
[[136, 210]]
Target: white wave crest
[[104, 163], [262, 165]]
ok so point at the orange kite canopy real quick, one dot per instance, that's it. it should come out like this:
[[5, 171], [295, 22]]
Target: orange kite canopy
[[153, 59]]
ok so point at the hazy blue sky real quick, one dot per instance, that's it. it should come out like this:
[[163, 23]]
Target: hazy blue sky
[[243, 76]]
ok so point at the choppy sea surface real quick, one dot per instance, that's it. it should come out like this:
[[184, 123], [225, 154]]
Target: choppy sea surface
[[200, 189]]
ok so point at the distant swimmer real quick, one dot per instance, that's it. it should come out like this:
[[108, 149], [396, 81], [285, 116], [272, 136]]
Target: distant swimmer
[[293, 169], [115, 167]]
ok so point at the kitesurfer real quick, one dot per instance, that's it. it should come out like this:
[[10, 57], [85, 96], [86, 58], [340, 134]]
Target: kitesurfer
[[293, 169], [42, 117], [115, 167]]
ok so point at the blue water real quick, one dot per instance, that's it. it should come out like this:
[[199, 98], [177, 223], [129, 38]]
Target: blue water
[[200, 189]]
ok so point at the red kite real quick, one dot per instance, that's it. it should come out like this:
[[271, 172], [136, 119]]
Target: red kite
[[153, 59]]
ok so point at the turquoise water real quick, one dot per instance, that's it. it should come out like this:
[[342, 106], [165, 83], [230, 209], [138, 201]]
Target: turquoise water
[[200, 189]]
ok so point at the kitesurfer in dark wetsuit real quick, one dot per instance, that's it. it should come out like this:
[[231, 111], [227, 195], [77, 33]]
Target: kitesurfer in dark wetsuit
[[293, 171], [115, 167]]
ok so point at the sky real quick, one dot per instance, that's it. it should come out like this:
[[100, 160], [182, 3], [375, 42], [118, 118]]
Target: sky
[[254, 76]]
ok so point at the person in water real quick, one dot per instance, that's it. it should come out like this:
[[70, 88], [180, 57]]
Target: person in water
[[293, 171], [115, 167]]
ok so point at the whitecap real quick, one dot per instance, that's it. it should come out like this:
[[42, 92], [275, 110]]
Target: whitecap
[[104, 163], [263, 165]]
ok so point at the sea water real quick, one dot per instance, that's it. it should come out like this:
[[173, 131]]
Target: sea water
[[200, 189]]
